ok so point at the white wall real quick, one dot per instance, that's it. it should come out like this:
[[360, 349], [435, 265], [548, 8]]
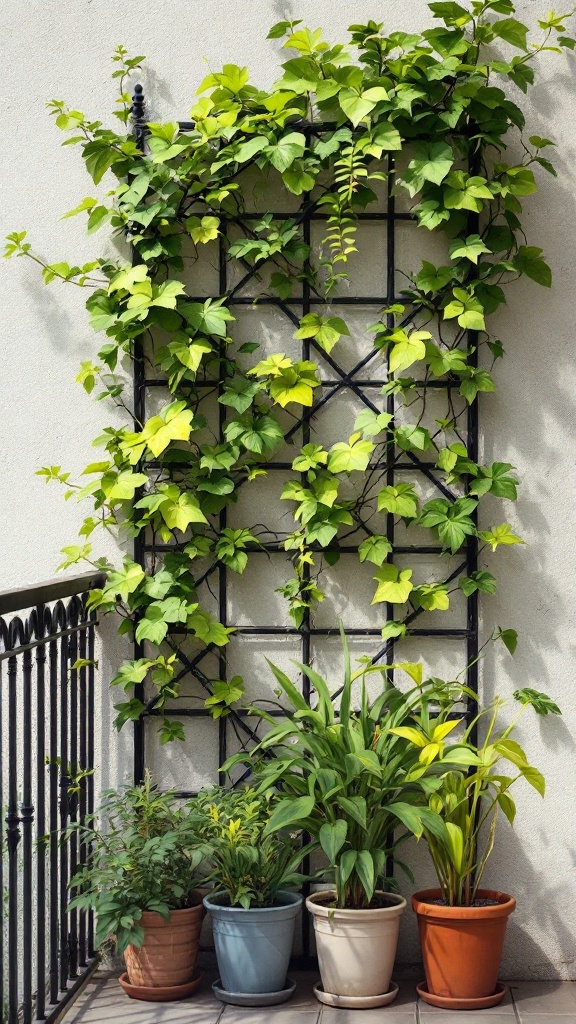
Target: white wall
[[61, 48]]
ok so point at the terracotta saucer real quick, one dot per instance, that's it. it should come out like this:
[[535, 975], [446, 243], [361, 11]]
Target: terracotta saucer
[[165, 994], [356, 1002], [448, 1003]]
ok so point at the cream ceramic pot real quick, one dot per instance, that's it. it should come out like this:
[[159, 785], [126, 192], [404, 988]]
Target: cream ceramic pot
[[356, 948]]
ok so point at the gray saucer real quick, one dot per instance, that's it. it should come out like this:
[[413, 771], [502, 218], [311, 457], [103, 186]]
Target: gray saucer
[[356, 1002], [254, 998]]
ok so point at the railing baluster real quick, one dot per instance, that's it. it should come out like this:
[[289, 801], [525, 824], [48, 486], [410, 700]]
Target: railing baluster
[[72, 793], [26, 816], [40, 816], [63, 778], [46, 708], [12, 842], [53, 803], [82, 793], [91, 708], [2, 844]]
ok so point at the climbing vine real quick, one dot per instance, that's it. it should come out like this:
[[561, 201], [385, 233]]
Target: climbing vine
[[329, 132]]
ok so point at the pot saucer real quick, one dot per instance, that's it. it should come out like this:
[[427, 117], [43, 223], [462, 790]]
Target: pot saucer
[[453, 1003], [161, 993], [356, 1002], [254, 998]]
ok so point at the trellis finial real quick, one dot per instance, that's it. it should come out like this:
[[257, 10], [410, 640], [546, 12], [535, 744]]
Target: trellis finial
[[137, 110]]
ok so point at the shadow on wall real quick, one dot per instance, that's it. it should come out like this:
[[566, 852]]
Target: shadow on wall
[[114, 751], [541, 913]]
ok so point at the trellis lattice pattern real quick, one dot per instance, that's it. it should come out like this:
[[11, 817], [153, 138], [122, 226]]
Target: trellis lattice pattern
[[352, 380]]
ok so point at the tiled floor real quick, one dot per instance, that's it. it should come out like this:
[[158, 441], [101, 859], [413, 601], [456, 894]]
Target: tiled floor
[[528, 1002]]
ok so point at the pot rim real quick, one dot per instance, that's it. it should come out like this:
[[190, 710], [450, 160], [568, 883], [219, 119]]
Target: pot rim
[[313, 903], [153, 917], [505, 906], [290, 899]]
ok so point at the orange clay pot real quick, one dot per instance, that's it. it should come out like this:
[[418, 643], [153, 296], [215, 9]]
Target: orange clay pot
[[462, 946], [167, 956]]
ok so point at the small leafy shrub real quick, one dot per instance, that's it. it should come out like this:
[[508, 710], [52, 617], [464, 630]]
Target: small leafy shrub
[[143, 854], [469, 803], [248, 866]]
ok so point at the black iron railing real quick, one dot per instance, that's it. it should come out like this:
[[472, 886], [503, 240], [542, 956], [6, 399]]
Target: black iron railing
[[47, 689]]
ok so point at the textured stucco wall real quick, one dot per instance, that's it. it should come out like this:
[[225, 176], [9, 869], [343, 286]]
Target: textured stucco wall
[[61, 48]]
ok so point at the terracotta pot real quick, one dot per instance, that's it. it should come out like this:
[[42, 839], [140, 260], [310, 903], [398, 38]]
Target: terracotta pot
[[462, 946], [167, 956], [356, 948]]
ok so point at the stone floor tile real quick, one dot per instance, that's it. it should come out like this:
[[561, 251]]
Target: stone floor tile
[[281, 1014], [505, 1007], [538, 997], [465, 1017], [549, 1018], [384, 1015], [104, 1001]]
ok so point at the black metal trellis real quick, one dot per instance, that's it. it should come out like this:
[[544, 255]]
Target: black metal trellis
[[340, 381]]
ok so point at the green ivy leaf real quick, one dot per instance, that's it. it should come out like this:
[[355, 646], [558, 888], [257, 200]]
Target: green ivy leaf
[[477, 581], [406, 348], [500, 535], [400, 500], [432, 162], [496, 480], [542, 704], [451, 520], [173, 424], [374, 549], [349, 457], [209, 317], [409, 437], [432, 278], [394, 585], [312, 456], [476, 380], [357, 104], [469, 248], [528, 260], [286, 150], [202, 229], [468, 310], [431, 596], [509, 638], [446, 360], [371, 423], [393, 629], [326, 330], [512, 31]]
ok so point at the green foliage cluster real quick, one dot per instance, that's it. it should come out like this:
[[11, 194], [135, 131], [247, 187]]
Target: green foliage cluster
[[325, 131], [248, 866], [468, 802], [143, 854], [146, 850], [362, 775]]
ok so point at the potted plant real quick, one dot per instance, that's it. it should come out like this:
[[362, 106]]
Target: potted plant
[[348, 781], [462, 926], [140, 879], [253, 913]]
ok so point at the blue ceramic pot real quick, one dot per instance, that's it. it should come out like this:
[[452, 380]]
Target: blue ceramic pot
[[253, 946]]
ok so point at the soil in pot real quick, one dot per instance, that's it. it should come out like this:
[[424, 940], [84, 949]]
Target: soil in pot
[[356, 948], [167, 956], [462, 946]]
